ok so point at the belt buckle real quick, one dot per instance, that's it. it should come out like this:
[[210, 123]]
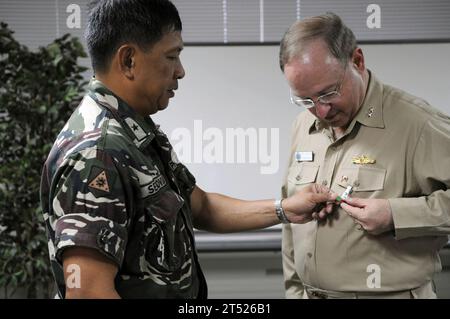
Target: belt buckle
[[319, 295]]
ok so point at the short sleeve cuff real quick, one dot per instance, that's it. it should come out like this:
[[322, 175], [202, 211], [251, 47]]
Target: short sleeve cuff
[[84, 230]]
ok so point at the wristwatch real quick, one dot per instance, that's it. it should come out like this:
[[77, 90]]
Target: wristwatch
[[280, 212]]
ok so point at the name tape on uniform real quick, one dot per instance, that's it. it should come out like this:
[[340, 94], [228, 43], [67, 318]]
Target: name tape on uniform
[[304, 156]]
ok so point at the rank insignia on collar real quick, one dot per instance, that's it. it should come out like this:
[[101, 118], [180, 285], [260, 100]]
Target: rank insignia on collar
[[136, 128], [363, 159]]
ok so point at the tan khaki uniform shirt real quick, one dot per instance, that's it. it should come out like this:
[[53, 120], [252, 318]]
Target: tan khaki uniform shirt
[[410, 143]]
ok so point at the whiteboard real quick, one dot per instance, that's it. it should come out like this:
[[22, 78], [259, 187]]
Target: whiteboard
[[243, 87]]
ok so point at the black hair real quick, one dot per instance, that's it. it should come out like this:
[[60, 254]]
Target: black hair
[[112, 23]]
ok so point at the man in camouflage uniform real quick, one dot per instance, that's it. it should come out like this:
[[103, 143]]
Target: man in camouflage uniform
[[118, 205]]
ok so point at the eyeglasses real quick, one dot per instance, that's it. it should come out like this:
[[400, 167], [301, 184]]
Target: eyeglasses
[[322, 99]]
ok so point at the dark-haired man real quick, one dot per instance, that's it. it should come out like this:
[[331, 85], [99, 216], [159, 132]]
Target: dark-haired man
[[118, 205]]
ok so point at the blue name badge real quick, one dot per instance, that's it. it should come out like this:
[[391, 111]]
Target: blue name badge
[[304, 156]]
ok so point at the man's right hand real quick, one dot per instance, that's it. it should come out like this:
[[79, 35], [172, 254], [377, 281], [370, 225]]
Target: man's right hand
[[311, 202]]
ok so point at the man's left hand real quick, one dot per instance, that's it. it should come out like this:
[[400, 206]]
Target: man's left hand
[[374, 215]]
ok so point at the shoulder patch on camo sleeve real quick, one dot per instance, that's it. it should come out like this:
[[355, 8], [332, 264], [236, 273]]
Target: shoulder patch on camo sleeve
[[101, 179], [100, 182]]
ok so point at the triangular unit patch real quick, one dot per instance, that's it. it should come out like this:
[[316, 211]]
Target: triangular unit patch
[[100, 182]]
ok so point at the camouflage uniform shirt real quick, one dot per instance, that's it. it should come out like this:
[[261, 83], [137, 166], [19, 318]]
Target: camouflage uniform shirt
[[113, 183]]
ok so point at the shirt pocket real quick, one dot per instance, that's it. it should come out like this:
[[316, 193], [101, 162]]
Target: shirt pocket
[[165, 237], [363, 179], [165, 207], [300, 175]]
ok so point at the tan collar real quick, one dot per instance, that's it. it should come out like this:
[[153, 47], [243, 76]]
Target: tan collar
[[371, 111]]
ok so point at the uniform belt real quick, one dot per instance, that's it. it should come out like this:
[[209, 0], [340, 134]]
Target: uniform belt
[[424, 291]]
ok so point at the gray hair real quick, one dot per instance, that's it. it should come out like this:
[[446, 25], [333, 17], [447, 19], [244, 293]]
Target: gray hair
[[329, 27]]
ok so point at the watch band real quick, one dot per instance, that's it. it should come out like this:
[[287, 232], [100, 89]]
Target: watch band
[[280, 212]]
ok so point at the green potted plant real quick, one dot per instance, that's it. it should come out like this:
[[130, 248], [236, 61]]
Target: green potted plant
[[38, 92]]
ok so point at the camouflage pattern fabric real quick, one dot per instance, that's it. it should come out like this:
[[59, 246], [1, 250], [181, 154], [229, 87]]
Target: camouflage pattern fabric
[[113, 183]]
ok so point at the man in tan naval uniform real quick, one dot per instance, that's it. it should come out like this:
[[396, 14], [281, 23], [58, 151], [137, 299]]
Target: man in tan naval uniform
[[391, 147]]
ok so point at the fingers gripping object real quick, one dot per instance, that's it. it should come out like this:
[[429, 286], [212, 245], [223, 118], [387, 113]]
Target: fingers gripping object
[[345, 194], [339, 199]]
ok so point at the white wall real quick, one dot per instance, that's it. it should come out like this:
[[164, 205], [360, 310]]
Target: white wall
[[242, 86]]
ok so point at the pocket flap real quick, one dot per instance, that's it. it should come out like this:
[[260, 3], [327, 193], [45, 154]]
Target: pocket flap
[[303, 173], [363, 179], [166, 206], [347, 176]]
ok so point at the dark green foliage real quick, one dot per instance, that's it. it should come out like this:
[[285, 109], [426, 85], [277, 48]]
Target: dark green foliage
[[38, 92]]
